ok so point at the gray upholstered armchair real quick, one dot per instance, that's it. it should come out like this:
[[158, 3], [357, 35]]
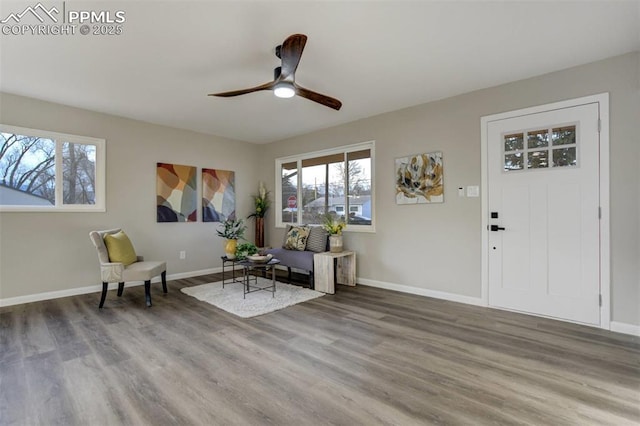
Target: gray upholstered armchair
[[139, 270]]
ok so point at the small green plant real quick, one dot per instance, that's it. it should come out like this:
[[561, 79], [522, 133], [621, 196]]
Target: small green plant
[[232, 229], [245, 249]]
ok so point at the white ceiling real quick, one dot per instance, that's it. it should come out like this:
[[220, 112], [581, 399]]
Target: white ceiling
[[373, 56]]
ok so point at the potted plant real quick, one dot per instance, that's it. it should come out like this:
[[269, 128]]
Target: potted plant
[[245, 249], [231, 230], [334, 227], [261, 203]]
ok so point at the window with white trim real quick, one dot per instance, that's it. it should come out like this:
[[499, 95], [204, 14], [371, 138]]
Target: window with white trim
[[47, 171], [336, 181], [550, 147]]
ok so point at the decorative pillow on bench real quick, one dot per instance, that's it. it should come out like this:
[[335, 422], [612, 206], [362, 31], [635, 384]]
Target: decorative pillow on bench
[[296, 238], [317, 241]]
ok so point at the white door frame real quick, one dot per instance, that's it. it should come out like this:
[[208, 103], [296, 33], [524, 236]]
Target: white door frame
[[602, 100]]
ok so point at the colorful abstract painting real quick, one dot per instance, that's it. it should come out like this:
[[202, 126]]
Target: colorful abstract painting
[[176, 193], [419, 179], [218, 195]]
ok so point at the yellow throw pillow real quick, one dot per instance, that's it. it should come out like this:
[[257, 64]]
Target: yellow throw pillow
[[120, 248], [297, 238]]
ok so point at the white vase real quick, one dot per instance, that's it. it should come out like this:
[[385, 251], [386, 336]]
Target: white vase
[[335, 243]]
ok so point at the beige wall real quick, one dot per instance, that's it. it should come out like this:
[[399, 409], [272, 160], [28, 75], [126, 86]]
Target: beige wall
[[437, 247], [427, 247], [43, 252]]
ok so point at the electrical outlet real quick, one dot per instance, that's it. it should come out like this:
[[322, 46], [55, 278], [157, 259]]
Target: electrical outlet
[[183, 254]]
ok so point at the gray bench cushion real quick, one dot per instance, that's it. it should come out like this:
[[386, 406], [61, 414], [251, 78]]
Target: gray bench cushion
[[293, 258]]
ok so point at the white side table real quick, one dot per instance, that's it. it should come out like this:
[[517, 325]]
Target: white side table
[[331, 268]]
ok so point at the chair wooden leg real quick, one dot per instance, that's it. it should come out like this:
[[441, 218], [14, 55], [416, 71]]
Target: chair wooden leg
[[120, 289], [147, 292], [311, 282], [164, 281], [105, 286], [289, 274]]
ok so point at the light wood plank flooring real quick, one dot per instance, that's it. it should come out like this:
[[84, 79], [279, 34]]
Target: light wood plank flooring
[[363, 356]]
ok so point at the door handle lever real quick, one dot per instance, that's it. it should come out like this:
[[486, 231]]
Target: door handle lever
[[496, 228]]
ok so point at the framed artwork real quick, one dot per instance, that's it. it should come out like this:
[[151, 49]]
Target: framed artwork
[[419, 179], [218, 195], [176, 196]]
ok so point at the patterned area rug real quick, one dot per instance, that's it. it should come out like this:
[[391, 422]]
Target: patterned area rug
[[257, 303]]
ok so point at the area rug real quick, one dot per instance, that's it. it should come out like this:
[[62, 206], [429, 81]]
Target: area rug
[[257, 303]]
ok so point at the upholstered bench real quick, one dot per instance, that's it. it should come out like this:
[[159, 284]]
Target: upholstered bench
[[299, 246]]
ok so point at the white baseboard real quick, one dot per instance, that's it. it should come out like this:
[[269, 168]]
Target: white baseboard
[[619, 327], [97, 288], [623, 327], [190, 274], [477, 301]]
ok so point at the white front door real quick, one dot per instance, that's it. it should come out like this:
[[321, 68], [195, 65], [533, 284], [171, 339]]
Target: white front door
[[543, 189]]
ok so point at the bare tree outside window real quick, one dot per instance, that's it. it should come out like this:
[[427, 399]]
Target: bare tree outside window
[[27, 166], [336, 183], [79, 173], [47, 171]]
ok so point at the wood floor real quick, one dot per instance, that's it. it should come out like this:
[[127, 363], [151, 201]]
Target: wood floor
[[363, 356]]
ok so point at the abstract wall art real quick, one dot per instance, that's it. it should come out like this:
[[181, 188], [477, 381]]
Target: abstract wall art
[[176, 196], [218, 195], [419, 179]]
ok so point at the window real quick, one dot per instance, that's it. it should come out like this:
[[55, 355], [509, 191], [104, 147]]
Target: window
[[538, 153], [46, 171], [337, 182]]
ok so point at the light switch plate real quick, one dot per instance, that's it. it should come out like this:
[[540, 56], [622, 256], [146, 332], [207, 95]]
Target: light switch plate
[[473, 191]]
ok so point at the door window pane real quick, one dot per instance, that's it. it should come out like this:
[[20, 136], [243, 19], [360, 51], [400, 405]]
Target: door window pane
[[538, 139], [563, 135], [553, 146], [513, 162], [564, 157], [538, 159], [513, 142]]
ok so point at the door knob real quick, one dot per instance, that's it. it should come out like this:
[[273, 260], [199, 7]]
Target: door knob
[[496, 228]]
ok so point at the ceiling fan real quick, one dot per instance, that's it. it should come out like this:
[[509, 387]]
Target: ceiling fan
[[284, 84]]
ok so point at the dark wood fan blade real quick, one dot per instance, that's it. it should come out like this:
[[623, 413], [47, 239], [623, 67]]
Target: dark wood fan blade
[[265, 86], [290, 53], [319, 98]]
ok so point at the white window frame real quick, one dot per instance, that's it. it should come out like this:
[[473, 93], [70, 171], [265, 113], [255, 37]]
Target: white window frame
[[60, 139], [370, 145], [549, 148]]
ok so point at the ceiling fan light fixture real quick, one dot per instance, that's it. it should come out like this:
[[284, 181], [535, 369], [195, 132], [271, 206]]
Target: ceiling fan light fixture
[[284, 90], [283, 84]]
